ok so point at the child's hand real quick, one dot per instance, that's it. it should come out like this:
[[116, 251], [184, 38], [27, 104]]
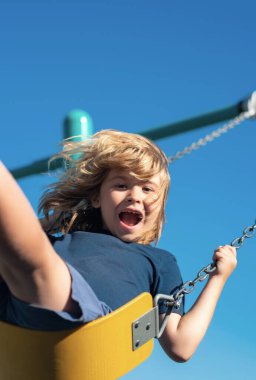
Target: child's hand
[[225, 258]]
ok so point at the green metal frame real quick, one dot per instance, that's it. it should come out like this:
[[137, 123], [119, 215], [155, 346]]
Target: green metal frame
[[194, 122], [78, 125]]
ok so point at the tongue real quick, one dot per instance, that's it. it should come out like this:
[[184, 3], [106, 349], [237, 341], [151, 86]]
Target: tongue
[[129, 218]]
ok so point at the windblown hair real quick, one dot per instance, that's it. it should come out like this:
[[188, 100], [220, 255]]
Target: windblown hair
[[66, 204]]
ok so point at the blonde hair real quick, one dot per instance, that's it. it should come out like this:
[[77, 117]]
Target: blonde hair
[[66, 204]]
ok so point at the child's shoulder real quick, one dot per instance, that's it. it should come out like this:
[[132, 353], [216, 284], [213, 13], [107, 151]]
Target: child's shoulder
[[155, 252]]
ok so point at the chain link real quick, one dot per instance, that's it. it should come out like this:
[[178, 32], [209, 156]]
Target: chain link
[[247, 233], [212, 136], [204, 273]]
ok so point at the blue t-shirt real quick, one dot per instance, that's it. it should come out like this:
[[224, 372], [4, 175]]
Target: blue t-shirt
[[118, 271]]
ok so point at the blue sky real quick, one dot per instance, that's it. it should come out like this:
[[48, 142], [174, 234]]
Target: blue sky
[[134, 65]]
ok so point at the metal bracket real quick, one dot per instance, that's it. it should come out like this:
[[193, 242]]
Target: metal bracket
[[145, 328], [250, 105]]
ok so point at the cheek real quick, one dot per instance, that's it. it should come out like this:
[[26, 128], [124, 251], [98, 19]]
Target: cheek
[[115, 198], [153, 213], [154, 207], [108, 207]]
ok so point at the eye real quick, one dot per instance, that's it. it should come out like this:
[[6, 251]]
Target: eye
[[148, 189], [120, 186]]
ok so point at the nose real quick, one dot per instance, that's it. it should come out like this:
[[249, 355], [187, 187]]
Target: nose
[[134, 195]]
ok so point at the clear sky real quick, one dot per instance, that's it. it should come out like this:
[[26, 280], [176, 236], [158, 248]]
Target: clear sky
[[134, 65]]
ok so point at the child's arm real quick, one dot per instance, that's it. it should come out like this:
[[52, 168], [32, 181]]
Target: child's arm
[[29, 265], [182, 335]]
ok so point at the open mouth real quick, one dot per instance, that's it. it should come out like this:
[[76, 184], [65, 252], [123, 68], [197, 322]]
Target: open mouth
[[130, 218]]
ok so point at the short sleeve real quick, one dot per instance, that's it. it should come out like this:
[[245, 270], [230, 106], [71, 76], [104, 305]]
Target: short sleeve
[[169, 280]]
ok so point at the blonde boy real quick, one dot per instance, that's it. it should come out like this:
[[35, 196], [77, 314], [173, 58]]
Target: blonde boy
[[93, 252]]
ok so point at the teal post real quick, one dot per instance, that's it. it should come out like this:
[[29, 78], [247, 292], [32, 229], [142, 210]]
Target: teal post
[[77, 124]]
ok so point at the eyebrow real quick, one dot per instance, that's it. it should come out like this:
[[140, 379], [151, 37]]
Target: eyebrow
[[126, 177]]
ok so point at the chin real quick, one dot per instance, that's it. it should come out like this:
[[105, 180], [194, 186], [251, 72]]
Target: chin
[[129, 238]]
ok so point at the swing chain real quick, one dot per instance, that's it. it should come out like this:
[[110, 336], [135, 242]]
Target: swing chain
[[204, 273], [247, 233], [188, 286], [212, 136]]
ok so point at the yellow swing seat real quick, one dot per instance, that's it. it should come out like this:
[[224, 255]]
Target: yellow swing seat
[[100, 350]]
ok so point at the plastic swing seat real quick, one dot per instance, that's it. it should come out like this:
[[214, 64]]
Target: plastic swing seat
[[100, 350]]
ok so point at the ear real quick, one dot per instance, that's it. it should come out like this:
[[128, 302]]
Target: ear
[[95, 202]]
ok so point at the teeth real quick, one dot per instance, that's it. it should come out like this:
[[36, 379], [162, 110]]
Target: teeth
[[135, 213]]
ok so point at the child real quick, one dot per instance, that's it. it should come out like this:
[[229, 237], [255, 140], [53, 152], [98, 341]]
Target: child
[[100, 219]]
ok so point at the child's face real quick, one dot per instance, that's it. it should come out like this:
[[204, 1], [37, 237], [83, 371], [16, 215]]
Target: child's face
[[129, 207]]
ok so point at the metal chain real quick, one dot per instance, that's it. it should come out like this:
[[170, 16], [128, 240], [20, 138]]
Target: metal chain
[[188, 286], [248, 232], [212, 136], [174, 300]]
